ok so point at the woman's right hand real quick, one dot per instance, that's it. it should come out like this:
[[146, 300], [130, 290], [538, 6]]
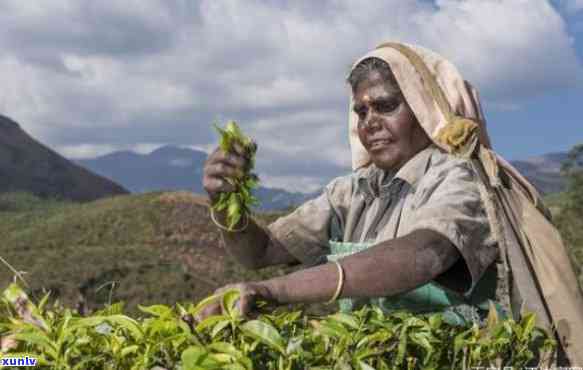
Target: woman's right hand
[[220, 165]]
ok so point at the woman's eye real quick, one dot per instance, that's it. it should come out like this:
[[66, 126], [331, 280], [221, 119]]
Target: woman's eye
[[388, 106]]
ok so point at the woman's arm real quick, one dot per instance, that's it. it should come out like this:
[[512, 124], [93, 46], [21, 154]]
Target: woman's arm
[[389, 268], [386, 269], [253, 248]]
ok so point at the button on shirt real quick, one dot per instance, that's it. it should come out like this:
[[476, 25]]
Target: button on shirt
[[433, 190]]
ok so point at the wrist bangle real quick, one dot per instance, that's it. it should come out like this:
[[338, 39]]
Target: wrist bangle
[[226, 228], [340, 283]]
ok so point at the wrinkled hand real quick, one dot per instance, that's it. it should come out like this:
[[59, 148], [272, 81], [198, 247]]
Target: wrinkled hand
[[220, 165], [246, 304]]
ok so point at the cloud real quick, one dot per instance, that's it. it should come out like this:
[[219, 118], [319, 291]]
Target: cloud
[[497, 46], [300, 184], [87, 77], [84, 151]]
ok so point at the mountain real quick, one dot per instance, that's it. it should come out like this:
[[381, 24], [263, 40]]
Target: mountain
[[544, 171], [173, 168], [165, 168], [29, 166]]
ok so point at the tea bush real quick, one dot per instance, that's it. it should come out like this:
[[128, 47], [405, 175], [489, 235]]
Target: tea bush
[[169, 338]]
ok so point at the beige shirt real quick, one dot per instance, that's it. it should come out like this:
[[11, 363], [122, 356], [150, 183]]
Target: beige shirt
[[433, 190]]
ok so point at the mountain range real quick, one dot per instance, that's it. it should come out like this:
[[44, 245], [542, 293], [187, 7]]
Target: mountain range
[[174, 168], [544, 171], [29, 166]]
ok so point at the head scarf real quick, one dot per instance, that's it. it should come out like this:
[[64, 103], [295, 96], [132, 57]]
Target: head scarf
[[447, 107], [451, 120]]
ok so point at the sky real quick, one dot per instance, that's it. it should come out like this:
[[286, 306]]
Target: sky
[[90, 77]]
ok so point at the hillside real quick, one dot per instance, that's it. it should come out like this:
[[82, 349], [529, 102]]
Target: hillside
[[567, 208], [568, 218], [156, 247], [27, 165]]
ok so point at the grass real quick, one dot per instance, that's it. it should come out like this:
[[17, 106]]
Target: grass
[[156, 247], [568, 217], [555, 202], [149, 248]]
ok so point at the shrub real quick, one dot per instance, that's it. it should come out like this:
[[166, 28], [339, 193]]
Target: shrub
[[169, 338]]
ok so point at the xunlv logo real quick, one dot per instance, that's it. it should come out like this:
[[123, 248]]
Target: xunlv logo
[[18, 361]]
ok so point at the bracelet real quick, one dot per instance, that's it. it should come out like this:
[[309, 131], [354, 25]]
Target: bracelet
[[340, 283], [226, 228]]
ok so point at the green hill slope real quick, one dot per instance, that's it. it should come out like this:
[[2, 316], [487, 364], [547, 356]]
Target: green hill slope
[[147, 248], [568, 217], [567, 208], [569, 221]]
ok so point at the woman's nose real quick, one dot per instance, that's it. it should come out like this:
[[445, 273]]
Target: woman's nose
[[371, 122]]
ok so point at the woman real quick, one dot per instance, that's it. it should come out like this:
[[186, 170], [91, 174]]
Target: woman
[[414, 226]]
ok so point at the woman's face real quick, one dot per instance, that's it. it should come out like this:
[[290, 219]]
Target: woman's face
[[387, 127]]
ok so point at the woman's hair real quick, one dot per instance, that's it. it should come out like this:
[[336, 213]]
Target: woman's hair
[[369, 65]]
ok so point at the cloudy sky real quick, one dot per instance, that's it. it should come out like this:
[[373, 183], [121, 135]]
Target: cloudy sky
[[90, 77]]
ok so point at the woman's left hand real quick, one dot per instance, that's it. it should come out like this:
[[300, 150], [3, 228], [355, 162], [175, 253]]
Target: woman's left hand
[[250, 293]]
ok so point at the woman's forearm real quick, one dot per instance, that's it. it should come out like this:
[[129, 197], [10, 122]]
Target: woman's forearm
[[248, 246], [389, 268]]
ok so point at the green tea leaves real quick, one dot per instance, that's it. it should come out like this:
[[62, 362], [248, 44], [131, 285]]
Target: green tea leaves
[[265, 333], [343, 318], [167, 339], [238, 203], [230, 298]]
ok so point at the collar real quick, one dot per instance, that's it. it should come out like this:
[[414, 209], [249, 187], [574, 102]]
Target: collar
[[375, 182]]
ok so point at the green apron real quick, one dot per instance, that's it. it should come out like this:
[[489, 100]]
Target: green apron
[[429, 298]]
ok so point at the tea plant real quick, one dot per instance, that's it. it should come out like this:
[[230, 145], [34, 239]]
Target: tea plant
[[169, 338], [238, 202]]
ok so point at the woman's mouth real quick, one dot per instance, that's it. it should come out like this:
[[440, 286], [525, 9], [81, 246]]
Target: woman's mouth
[[379, 144]]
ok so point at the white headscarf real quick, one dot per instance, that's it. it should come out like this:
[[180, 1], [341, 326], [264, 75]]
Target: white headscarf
[[447, 107], [442, 120]]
